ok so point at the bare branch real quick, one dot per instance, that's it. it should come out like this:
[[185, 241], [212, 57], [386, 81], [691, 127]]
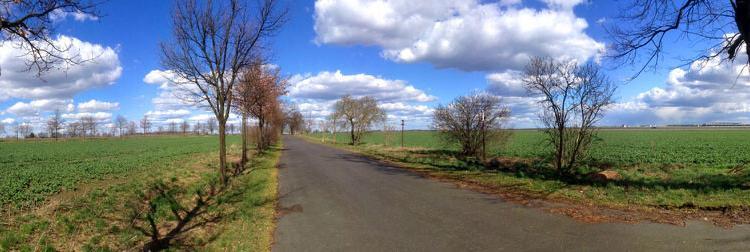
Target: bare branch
[[471, 121], [573, 100], [360, 114], [29, 24], [213, 43], [640, 33]]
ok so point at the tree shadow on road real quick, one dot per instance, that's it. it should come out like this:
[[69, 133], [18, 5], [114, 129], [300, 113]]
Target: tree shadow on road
[[378, 164]]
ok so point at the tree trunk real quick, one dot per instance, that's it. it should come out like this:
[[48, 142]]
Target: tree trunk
[[560, 150], [742, 18], [334, 130], [354, 140], [243, 128], [261, 137], [222, 151]]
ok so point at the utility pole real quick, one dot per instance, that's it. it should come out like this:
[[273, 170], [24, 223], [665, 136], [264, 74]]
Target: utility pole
[[402, 133]]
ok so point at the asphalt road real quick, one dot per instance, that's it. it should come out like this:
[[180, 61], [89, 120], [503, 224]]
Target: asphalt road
[[334, 200]]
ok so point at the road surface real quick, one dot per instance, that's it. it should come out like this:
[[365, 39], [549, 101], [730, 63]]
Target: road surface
[[334, 200]]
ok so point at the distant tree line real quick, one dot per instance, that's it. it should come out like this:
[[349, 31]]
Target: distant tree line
[[88, 127]]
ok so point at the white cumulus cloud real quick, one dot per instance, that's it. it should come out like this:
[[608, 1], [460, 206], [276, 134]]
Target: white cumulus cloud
[[59, 15], [706, 91], [97, 106], [315, 95], [99, 67], [36, 107], [170, 96], [166, 116], [464, 34], [333, 85], [102, 117]]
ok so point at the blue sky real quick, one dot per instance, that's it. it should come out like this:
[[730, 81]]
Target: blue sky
[[410, 56]]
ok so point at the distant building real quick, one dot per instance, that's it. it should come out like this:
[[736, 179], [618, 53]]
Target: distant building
[[725, 124], [683, 125]]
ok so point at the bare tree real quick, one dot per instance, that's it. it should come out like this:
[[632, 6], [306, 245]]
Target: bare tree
[[74, 129], [334, 118], [212, 44], [89, 124], [55, 124], [197, 128], [25, 129], [132, 128], [83, 127], [28, 24], [113, 130], [243, 92], [211, 125], [17, 129], [294, 120], [360, 114], [145, 124], [172, 127], [573, 100], [2, 128], [121, 123], [644, 25], [257, 96], [230, 128], [275, 121], [184, 127], [471, 121]]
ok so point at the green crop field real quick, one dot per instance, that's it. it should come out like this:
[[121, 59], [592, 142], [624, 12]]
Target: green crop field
[[659, 167], [82, 195], [710, 148], [33, 170]]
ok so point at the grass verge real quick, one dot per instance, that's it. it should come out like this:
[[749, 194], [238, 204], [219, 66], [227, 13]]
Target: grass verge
[[252, 227], [98, 217]]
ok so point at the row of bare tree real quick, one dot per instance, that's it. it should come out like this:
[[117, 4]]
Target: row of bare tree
[[572, 99], [214, 52], [214, 42], [257, 95], [56, 127], [215, 57], [88, 126]]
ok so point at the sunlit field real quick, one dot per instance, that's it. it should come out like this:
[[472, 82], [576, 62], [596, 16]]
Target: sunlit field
[[77, 194], [34, 170]]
